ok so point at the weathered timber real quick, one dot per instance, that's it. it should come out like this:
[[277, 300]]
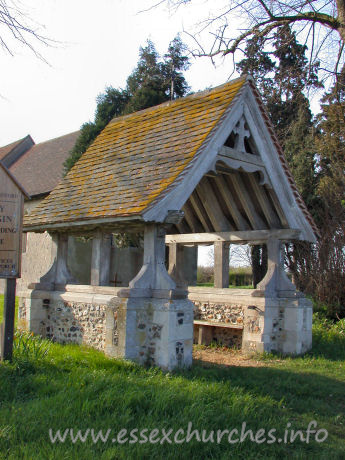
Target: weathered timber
[[100, 259], [229, 201], [264, 203], [221, 264], [199, 210], [249, 236], [254, 218], [214, 211], [244, 157]]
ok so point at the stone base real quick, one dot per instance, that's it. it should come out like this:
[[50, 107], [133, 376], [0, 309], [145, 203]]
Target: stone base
[[75, 314], [280, 325], [159, 331], [146, 330], [150, 331]]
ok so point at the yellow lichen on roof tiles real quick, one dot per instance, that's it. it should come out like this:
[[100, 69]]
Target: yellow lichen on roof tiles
[[135, 159]]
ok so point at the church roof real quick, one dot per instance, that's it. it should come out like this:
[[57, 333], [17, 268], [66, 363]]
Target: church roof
[[142, 165], [40, 168], [135, 158]]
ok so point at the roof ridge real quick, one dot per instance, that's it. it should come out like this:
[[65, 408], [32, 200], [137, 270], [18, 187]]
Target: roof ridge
[[55, 138], [197, 94]]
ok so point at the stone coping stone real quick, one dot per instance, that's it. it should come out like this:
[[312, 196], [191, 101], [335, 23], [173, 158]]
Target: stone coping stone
[[195, 293], [217, 324], [221, 291]]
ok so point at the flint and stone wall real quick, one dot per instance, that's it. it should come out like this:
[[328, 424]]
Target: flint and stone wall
[[148, 331], [92, 315], [66, 317]]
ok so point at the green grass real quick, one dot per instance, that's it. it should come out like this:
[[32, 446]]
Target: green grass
[[60, 387]]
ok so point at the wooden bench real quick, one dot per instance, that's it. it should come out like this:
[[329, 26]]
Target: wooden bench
[[205, 330]]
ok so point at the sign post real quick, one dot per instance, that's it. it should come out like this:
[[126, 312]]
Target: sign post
[[11, 218]]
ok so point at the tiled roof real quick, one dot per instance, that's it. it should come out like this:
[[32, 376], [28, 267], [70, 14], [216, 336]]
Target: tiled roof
[[135, 159], [40, 168]]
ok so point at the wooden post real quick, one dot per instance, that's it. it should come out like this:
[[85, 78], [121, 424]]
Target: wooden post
[[176, 252], [100, 259], [9, 312], [221, 264], [205, 335]]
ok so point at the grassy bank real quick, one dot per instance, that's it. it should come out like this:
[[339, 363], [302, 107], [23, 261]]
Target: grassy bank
[[64, 387]]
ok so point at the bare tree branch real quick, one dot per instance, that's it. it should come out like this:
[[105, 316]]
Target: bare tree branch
[[20, 27], [261, 18]]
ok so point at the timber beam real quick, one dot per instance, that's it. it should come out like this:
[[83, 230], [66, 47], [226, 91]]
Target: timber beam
[[235, 237]]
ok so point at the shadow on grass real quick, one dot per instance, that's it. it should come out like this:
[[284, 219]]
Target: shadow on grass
[[77, 387], [121, 395]]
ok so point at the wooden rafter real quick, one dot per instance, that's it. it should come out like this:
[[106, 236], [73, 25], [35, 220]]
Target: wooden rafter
[[246, 201], [191, 219], [230, 203], [200, 212], [270, 215], [272, 195], [212, 206]]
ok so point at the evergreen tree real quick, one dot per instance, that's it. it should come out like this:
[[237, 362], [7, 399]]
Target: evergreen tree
[[152, 82], [330, 144], [321, 269], [109, 105], [175, 62], [259, 65], [146, 85], [282, 77]]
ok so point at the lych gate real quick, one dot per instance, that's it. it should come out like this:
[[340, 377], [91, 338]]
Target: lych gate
[[205, 169]]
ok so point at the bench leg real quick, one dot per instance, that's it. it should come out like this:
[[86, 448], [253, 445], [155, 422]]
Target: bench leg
[[205, 335]]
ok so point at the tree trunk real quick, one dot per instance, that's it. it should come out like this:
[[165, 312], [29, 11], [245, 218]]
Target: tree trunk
[[341, 18], [259, 263]]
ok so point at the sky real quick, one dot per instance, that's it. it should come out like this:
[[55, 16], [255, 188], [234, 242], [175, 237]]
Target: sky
[[95, 44]]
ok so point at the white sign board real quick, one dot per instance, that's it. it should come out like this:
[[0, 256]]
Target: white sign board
[[11, 216]]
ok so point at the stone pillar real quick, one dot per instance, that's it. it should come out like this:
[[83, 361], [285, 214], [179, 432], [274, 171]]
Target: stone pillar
[[153, 278], [221, 264], [281, 320], [276, 283], [100, 259], [154, 318], [176, 264], [278, 324]]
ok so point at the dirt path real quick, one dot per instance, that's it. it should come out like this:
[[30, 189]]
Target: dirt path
[[225, 357]]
